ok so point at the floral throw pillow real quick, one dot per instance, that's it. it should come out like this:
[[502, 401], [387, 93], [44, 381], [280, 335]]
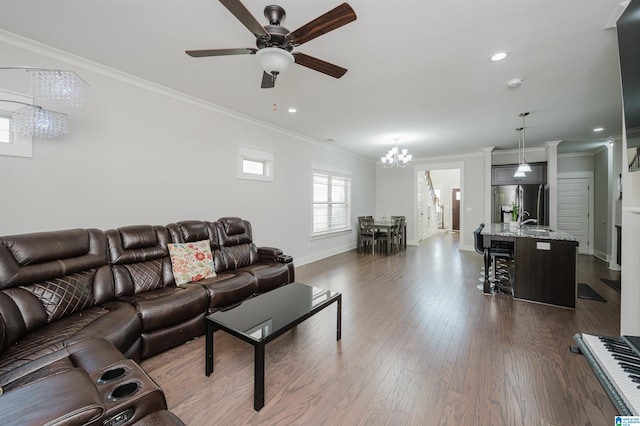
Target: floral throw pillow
[[191, 261]]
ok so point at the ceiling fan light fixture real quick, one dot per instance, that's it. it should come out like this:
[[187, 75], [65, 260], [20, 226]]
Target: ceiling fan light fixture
[[274, 60]]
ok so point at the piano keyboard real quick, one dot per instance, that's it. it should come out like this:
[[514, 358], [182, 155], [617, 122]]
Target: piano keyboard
[[616, 364]]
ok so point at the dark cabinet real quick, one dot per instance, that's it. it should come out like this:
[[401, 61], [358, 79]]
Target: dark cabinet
[[546, 271], [503, 174]]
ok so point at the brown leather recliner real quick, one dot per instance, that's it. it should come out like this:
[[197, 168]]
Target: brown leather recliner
[[270, 267], [55, 289], [227, 287], [142, 274]]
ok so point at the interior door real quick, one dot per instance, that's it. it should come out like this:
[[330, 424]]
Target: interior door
[[574, 210], [455, 209]]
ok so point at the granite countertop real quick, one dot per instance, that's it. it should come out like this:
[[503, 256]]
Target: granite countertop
[[527, 231]]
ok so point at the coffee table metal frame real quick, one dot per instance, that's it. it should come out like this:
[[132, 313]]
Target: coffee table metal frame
[[259, 343]]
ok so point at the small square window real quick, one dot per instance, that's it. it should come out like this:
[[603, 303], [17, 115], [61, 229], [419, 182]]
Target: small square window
[[255, 164], [253, 167], [13, 143], [5, 129]]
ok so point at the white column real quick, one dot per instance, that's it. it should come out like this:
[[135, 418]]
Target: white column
[[551, 154], [487, 182]]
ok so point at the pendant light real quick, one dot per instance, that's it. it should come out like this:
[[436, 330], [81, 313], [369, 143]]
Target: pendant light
[[519, 173], [523, 167]]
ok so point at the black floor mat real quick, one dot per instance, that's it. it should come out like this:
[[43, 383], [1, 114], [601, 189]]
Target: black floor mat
[[614, 284], [586, 292]]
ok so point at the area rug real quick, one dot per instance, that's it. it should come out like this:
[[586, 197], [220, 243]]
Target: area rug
[[614, 284], [586, 292]]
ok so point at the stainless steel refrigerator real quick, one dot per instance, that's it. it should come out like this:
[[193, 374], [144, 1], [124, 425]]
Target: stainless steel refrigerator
[[532, 197]]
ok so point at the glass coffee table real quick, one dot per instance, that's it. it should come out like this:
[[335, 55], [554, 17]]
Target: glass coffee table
[[263, 318]]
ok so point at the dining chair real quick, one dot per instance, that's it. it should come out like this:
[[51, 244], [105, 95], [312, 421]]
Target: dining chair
[[367, 236], [399, 233], [402, 231]]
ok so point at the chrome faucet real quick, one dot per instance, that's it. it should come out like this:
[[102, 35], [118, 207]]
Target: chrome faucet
[[530, 221]]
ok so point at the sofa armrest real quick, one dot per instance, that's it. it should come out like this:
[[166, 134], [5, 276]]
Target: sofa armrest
[[66, 398], [284, 258], [272, 254], [268, 254]]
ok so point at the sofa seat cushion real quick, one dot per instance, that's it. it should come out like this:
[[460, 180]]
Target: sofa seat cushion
[[268, 275], [115, 321], [226, 289], [168, 306]]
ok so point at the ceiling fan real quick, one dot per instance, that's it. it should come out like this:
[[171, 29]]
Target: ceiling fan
[[275, 43]]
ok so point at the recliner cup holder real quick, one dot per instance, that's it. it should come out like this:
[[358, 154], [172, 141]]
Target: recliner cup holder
[[113, 374], [124, 390]]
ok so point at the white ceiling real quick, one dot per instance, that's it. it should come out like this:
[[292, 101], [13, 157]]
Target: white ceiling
[[418, 69]]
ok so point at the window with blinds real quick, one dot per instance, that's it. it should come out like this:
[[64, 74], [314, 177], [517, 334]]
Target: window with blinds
[[331, 202]]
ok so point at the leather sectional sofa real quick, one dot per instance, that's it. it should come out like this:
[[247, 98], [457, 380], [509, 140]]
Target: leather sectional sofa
[[79, 308]]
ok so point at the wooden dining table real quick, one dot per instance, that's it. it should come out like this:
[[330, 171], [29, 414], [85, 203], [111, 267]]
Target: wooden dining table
[[385, 225]]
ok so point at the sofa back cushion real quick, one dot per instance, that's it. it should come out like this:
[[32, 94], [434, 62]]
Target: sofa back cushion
[[191, 231], [236, 244], [139, 259], [45, 276]]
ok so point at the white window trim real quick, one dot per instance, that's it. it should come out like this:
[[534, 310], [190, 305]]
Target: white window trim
[[253, 154], [336, 172], [21, 145]]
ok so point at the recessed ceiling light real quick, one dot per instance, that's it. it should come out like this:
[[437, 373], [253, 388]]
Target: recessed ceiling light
[[292, 110], [498, 56], [598, 129]]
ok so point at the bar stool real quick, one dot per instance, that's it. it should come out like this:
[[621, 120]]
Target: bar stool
[[501, 254]]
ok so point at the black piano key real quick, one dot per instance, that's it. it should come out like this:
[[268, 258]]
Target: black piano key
[[620, 350], [625, 358], [616, 343], [629, 368]]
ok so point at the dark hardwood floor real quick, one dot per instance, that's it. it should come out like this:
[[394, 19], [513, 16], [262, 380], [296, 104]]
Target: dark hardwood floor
[[421, 345]]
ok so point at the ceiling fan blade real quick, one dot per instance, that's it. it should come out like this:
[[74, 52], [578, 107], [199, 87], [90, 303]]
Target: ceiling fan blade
[[268, 81], [220, 52], [319, 65], [246, 18], [330, 21]]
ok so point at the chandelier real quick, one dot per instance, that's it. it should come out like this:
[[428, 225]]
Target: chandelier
[[395, 157], [523, 166], [57, 87]]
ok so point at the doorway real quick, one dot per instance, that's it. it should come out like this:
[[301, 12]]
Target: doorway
[[439, 192], [575, 208], [455, 209]]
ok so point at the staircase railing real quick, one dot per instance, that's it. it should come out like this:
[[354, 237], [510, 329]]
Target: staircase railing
[[438, 208]]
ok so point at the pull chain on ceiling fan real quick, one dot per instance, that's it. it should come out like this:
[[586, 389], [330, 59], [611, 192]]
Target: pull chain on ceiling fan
[[275, 43]]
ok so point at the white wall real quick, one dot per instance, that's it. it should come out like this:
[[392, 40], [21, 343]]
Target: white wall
[[579, 162], [141, 154]]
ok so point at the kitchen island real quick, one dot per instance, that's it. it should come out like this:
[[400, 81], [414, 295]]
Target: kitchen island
[[545, 260]]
